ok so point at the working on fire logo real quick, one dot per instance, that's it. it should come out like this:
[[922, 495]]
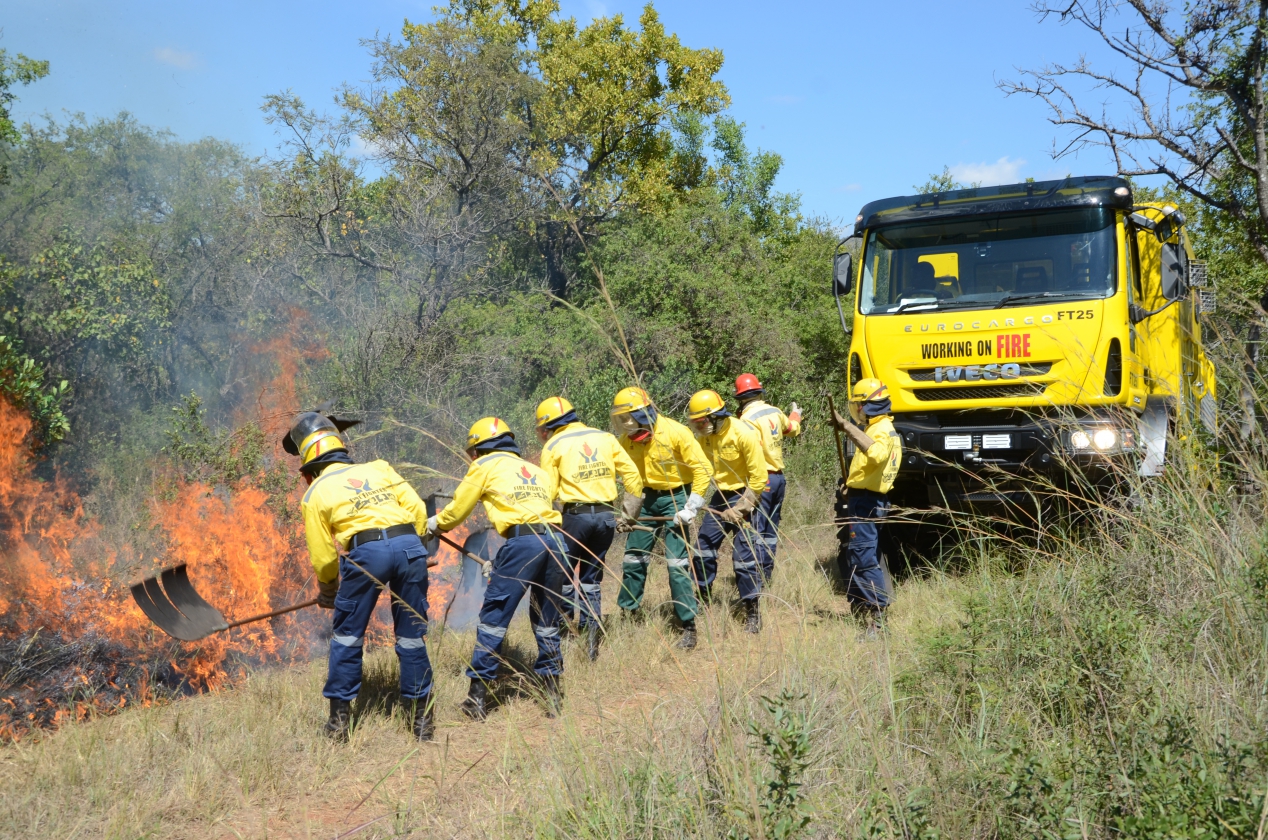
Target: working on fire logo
[[591, 468], [363, 495]]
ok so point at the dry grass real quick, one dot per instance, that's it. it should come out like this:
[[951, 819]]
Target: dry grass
[[251, 761], [1106, 682]]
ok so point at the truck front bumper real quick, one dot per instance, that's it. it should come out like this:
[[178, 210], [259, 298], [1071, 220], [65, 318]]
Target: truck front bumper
[[960, 461]]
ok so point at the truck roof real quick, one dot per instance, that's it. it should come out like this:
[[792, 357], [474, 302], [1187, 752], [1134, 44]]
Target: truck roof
[[1081, 191]]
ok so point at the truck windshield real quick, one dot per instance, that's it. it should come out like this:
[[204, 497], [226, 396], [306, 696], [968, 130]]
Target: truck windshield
[[989, 261]]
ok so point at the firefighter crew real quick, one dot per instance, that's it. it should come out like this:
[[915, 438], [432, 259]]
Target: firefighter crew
[[734, 448], [517, 497], [878, 453], [372, 517], [675, 476], [583, 464], [776, 426]]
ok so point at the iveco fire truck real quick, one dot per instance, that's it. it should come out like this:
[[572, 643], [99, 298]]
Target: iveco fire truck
[[1046, 327]]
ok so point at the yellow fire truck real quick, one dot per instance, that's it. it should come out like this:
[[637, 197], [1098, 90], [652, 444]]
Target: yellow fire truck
[[1047, 327]]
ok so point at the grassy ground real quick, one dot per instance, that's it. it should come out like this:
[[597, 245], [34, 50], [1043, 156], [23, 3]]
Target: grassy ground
[[1113, 686]]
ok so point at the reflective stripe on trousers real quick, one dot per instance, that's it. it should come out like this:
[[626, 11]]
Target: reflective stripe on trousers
[[400, 563], [522, 567]]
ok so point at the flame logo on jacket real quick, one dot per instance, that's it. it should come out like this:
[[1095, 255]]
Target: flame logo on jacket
[[588, 455], [529, 478], [358, 486]]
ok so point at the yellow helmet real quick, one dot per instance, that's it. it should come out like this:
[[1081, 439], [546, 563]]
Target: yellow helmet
[[869, 390], [704, 403], [630, 399], [311, 436], [487, 428], [551, 409]]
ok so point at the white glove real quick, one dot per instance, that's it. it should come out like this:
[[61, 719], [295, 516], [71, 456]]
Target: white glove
[[433, 528], [488, 570], [688, 513], [794, 413]]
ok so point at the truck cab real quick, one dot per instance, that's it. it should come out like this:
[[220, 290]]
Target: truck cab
[[1041, 329]]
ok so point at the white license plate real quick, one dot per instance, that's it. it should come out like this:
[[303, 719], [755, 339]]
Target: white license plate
[[997, 441], [958, 442]]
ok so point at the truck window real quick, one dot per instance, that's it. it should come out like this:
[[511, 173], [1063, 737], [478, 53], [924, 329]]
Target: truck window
[[985, 261]]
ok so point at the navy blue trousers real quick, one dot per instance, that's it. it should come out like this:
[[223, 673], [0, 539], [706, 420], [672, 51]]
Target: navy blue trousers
[[587, 536], [860, 561], [401, 564], [523, 565], [770, 510], [747, 550]]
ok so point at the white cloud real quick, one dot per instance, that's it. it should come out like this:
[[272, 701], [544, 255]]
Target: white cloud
[[1003, 171], [850, 188], [177, 58]]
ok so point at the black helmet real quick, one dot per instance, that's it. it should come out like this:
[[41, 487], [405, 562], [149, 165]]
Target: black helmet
[[313, 434]]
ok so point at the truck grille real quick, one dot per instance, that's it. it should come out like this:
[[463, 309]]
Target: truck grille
[[1037, 369], [980, 392]]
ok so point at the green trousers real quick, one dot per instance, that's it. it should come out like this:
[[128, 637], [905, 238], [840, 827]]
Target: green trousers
[[638, 551]]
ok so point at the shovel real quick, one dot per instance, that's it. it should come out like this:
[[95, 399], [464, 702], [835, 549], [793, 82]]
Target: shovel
[[180, 612]]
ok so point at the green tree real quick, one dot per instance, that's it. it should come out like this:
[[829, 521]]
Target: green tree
[[18, 70], [938, 182]]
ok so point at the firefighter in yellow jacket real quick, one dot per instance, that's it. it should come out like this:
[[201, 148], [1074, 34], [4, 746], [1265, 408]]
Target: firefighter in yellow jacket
[[517, 497], [675, 476], [877, 457], [362, 524], [776, 426], [583, 464], [735, 449]]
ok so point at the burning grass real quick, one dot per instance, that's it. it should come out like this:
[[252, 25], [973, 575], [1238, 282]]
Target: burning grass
[[71, 638], [1107, 683]]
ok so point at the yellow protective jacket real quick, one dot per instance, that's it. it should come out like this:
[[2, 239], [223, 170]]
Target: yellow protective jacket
[[735, 450], [776, 426], [347, 499], [583, 464], [514, 492], [671, 458], [877, 468]]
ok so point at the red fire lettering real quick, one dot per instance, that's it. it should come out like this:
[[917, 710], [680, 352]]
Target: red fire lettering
[[1012, 346]]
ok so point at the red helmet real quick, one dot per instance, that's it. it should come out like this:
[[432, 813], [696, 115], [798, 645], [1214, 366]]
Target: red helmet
[[746, 382]]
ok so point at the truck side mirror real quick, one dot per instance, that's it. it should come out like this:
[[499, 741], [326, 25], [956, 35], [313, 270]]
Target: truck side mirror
[[842, 275]]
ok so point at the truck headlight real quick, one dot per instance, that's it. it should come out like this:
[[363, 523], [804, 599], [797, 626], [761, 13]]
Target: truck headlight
[[1105, 439], [1080, 440]]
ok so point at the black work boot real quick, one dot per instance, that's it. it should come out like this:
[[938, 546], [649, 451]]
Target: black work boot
[[752, 616], [476, 704], [424, 719], [592, 641], [340, 720], [551, 694], [688, 640]]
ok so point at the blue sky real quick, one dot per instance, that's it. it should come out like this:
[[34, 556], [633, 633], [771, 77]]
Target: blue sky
[[862, 99]]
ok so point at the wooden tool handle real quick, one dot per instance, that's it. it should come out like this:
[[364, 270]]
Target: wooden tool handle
[[282, 611], [836, 433], [460, 549]]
